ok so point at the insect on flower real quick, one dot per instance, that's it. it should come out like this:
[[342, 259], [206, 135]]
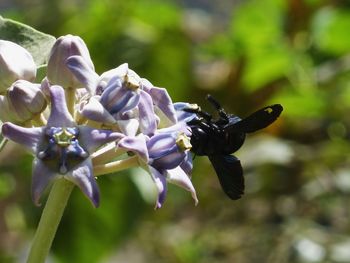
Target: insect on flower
[[218, 139]]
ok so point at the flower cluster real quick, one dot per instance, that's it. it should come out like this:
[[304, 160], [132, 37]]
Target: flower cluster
[[79, 124]]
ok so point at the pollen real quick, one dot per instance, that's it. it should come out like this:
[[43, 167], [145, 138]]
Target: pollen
[[183, 142]]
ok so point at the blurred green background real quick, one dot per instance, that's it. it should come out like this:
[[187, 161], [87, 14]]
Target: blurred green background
[[247, 54]]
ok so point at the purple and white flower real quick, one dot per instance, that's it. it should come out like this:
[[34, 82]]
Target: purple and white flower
[[138, 118], [61, 149], [166, 157]]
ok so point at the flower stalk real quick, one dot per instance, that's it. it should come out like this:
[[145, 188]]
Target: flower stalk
[[3, 143], [116, 166], [50, 220], [106, 154]]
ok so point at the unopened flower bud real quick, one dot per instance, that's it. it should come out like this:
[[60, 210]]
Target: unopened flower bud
[[25, 100], [15, 63], [57, 71]]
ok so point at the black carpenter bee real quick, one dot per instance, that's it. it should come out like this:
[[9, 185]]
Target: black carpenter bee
[[219, 138]]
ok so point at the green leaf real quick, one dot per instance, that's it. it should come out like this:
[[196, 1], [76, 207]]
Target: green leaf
[[303, 103], [330, 29], [37, 43], [40, 73], [267, 66], [259, 38], [254, 30]]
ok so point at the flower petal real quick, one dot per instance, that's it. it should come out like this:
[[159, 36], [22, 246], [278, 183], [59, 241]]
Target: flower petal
[[83, 72], [160, 144], [136, 145], [94, 110], [161, 99], [91, 138], [57, 71], [128, 127], [112, 92], [59, 116], [184, 115], [5, 113], [161, 185], [163, 151], [26, 100], [28, 137], [148, 122], [119, 71], [83, 177], [116, 98], [168, 161], [41, 179], [180, 127], [187, 164], [15, 63], [178, 177]]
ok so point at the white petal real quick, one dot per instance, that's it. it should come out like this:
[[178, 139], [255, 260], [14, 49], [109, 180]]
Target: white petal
[[178, 177]]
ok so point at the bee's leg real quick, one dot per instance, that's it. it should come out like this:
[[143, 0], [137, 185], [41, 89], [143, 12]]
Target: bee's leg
[[200, 113], [223, 115]]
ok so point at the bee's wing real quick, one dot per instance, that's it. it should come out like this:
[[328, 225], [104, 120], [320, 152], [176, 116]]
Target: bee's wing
[[230, 173], [259, 119]]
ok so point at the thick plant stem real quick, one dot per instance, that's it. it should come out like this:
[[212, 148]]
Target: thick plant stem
[[50, 220]]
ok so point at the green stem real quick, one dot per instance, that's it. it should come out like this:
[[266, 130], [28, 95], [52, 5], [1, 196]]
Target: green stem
[[50, 220], [3, 143]]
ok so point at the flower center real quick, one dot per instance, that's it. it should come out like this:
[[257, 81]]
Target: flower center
[[183, 142], [131, 81], [63, 150], [64, 138]]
